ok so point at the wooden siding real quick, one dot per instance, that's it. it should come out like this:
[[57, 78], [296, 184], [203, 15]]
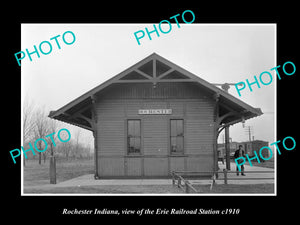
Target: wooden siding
[[122, 102], [200, 163], [146, 91], [133, 166], [111, 166], [177, 164], [156, 167], [198, 136], [111, 137], [155, 135]]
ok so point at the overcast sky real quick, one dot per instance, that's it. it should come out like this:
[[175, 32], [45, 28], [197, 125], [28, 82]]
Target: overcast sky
[[217, 53]]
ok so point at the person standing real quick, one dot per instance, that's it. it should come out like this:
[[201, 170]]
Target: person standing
[[240, 153]]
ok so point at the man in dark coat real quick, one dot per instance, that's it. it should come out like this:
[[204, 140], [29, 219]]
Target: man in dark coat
[[240, 153]]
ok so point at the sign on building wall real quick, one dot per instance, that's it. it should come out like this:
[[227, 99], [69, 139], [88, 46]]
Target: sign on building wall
[[155, 111]]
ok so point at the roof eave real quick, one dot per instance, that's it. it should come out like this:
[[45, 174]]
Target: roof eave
[[213, 88]]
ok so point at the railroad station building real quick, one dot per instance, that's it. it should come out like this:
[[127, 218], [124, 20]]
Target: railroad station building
[[154, 118]]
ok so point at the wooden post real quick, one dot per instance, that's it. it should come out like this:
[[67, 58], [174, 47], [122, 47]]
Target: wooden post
[[215, 134], [225, 176], [94, 127], [95, 155], [52, 170], [213, 181], [173, 178], [214, 178], [225, 87], [227, 148], [187, 187]]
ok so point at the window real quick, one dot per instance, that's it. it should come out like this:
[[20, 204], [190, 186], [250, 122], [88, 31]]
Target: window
[[134, 136], [176, 136]]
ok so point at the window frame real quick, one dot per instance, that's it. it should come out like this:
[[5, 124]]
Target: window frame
[[128, 137], [171, 136]]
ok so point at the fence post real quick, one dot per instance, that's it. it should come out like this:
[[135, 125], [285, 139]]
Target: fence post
[[225, 176], [179, 181], [187, 188], [173, 178], [214, 178]]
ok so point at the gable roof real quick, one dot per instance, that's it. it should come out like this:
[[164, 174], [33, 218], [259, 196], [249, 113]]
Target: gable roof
[[152, 69]]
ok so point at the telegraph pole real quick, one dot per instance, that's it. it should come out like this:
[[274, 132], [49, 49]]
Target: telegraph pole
[[248, 131]]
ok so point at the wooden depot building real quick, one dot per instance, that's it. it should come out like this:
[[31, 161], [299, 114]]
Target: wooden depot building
[[153, 118]]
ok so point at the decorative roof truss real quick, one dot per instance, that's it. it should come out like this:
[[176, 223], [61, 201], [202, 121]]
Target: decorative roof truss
[[153, 71]]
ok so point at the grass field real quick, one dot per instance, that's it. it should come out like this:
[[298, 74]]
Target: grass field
[[109, 189], [35, 175]]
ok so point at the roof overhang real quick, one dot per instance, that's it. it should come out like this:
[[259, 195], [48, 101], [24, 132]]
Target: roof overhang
[[154, 69]]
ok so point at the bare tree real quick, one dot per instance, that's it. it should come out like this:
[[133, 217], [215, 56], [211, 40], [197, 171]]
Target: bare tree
[[28, 123], [77, 145], [41, 128], [66, 148]]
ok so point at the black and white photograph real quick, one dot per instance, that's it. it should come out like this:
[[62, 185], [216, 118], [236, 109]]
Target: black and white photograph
[[149, 113], [110, 113]]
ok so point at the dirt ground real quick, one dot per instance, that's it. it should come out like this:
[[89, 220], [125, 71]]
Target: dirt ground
[[35, 176]]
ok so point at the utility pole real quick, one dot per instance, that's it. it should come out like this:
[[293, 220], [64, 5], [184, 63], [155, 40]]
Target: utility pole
[[248, 131]]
